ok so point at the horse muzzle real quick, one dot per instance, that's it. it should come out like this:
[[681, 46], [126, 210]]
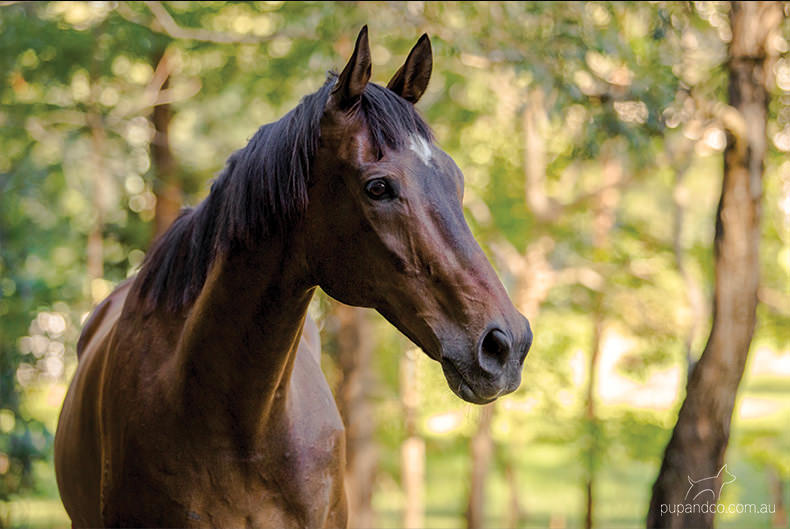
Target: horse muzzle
[[494, 367]]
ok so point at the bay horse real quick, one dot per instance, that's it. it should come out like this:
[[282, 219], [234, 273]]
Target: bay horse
[[199, 400]]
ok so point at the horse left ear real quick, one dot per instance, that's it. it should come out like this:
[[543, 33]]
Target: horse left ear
[[412, 79], [355, 76]]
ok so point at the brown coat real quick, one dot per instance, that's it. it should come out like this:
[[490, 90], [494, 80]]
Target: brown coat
[[198, 400], [296, 481]]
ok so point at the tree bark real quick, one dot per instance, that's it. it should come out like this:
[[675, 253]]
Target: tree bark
[[95, 122], [699, 441], [604, 218], [413, 448], [533, 285], [167, 182], [591, 419], [515, 512], [535, 159], [355, 349], [95, 248], [482, 448], [94, 119], [535, 278]]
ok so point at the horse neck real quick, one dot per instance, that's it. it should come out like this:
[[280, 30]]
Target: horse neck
[[237, 346]]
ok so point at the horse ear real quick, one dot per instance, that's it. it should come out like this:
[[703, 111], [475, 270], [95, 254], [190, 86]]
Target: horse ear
[[412, 79], [355, 76]]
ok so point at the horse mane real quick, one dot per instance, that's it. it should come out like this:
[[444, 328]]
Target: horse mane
[[260, 193]]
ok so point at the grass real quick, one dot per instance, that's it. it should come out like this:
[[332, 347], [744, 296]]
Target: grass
[[35, 513], [549, 473]]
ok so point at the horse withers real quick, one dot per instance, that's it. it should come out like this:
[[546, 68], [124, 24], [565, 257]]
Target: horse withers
[[198, 400]]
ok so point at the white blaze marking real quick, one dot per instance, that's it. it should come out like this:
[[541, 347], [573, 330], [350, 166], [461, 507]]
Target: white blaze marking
[[421, 147]]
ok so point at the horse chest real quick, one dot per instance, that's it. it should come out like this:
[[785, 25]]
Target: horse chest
[[296, 481], [292, 478], [293, 486]]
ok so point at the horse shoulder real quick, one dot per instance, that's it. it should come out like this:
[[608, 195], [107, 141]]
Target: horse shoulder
[[79, 426], [311, 475], [309, 391]]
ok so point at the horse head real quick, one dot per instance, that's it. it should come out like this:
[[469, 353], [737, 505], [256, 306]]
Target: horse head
[[386, 230]]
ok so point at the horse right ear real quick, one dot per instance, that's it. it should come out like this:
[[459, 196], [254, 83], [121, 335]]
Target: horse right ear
[[412, 79], [355, 76]]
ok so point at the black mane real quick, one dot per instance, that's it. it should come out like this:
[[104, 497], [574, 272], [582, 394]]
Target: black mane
[[261, 191]]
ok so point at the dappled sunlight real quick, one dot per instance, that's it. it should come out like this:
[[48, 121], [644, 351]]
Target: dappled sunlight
[[592, 139], [768, 361], [757, 407]]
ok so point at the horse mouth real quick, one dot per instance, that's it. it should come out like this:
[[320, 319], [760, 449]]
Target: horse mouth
[[461, 387]]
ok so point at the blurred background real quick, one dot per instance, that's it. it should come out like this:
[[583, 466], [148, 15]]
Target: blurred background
[[591, 136]]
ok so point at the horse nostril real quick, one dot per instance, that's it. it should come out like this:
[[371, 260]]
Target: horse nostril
[[494, 351]]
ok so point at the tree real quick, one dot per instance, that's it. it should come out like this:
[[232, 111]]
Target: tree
[[413, 446], [529, 99], [481, 448], [355, 347], [168, 186], [699, 441]]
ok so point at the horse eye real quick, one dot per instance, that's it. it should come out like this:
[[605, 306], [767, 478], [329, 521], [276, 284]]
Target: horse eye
[[378, 189]]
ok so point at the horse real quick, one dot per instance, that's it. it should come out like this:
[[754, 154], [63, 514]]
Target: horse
[[199, 400]]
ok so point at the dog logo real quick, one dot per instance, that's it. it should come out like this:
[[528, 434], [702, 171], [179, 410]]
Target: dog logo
[[708, 485]]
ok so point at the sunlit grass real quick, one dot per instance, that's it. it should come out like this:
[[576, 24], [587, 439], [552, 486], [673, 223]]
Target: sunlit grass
[[35, 513], [549, 473]]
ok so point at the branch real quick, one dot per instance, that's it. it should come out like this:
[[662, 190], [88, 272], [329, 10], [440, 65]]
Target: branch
[[165, 24], [164, 67], [545, 208], [171, 27], [156, 94], [583, 198], [725, 115]]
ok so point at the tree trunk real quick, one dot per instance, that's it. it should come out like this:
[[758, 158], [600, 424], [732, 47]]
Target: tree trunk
[[515, 512], [605, 210], [94, 120], [167, 180], [413, 448], [95, 248], [535, 159], [480, 456], [777, 487], [355, 349], [699, 440], [535, 279], [591, 420]]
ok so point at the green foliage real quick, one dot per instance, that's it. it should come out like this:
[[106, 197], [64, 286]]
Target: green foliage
[[633, 86]]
